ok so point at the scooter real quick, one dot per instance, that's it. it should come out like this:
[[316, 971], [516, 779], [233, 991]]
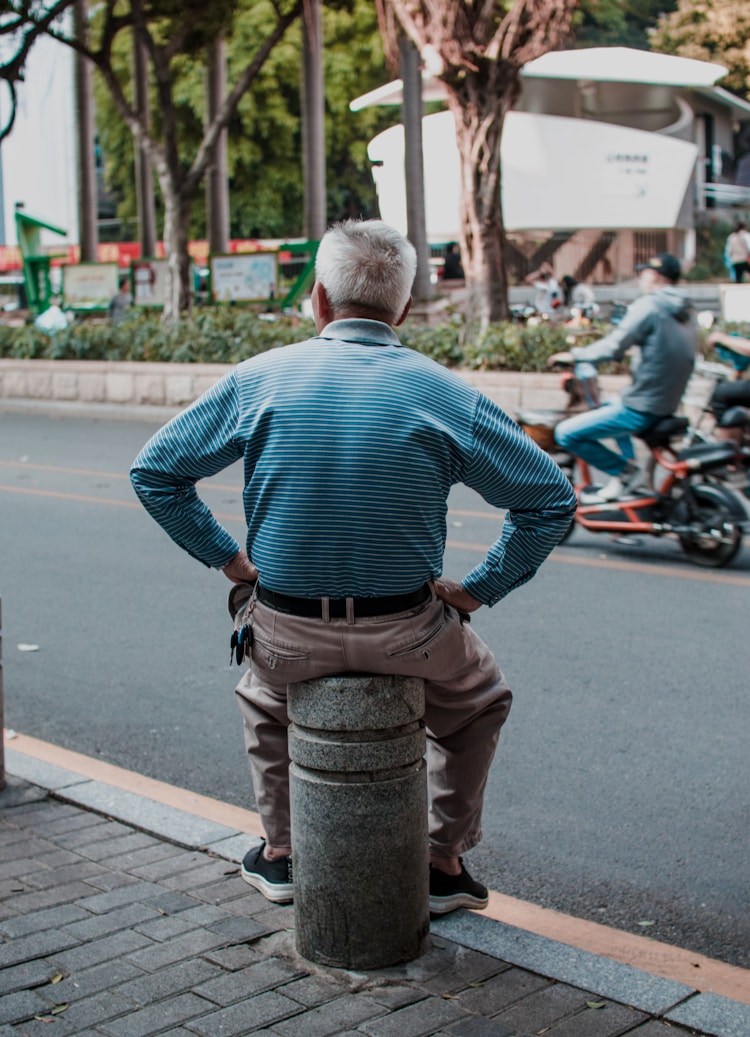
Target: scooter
[[707, 517]]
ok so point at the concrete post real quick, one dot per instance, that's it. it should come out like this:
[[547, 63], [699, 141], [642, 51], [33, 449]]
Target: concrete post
[[144, 178], [359, 820], [416, 220], [217, 175], [88, 229]]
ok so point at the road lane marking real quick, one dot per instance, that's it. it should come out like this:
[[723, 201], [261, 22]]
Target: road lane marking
[[95, 472], [561, 558], [88, 499], [659, 959]]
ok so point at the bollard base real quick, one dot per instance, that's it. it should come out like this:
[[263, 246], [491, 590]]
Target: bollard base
[[361, 870]]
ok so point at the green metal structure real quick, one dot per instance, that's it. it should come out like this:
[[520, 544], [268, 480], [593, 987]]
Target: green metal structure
[[36, 264], [305, 279]]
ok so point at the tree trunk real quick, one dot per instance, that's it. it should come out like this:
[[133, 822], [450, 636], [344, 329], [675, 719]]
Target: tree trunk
[[479, 115], [179, 295]]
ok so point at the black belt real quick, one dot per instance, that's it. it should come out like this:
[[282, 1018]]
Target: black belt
[[312, 608]]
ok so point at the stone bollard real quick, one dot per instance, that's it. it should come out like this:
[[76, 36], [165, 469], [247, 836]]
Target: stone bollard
[[358, 788]]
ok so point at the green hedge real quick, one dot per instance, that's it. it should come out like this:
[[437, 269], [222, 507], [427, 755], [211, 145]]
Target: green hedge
[[226, 336]]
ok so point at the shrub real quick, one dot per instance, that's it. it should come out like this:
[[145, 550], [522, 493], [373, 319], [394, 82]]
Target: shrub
[[228, 335]]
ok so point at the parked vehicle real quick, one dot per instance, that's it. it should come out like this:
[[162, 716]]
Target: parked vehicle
[[683, 498]]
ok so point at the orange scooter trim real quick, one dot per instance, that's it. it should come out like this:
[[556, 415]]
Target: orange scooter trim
[[630, 507]]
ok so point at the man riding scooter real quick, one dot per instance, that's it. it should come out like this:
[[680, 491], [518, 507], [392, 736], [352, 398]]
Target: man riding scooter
[[660, 322]]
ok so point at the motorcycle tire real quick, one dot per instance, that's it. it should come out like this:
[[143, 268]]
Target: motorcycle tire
[[706, 515]]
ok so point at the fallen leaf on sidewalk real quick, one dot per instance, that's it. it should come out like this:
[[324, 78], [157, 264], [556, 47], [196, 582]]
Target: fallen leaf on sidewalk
[[57, 978], [58, 1008], [645, 923], [596, 1004]]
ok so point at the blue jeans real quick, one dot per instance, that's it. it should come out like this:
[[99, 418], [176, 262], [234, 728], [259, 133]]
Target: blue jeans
[[581, 435]]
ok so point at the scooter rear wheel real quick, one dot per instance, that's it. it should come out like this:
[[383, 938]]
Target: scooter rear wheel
[[716, 537]]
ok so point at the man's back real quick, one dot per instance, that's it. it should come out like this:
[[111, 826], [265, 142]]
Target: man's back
[[353, 448], [351, 444]]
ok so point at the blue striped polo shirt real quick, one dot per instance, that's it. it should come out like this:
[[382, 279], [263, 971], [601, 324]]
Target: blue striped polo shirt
[[350, 444]]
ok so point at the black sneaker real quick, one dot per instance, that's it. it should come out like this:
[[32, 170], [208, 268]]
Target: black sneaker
[[449, 892], [272, 878]]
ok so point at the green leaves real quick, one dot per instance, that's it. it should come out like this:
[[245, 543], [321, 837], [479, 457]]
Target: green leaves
[[265, 135], [228, 334], [710, 30]]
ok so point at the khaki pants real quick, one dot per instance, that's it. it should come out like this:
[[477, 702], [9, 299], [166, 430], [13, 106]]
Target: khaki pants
[[466, 703]]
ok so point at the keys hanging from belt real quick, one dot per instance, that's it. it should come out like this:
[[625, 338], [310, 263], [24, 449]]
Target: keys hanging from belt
[[241, 643], [241, 604]]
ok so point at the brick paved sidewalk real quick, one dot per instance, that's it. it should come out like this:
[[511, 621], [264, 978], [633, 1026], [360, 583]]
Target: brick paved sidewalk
[[109, 930]]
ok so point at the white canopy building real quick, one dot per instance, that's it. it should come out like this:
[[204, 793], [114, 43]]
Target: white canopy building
[[608, 156]]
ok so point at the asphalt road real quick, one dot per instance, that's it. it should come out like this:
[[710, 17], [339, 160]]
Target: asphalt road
[[620, 788]]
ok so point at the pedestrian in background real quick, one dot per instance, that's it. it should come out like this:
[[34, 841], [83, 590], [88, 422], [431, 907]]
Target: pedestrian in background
[[452, 269], [738, 252], [548, 296]]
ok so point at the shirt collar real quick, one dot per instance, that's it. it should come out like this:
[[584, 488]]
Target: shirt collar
[[358, 329]]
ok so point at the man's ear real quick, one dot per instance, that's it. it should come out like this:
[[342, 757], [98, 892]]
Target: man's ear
[[402, 318], [321, 306]]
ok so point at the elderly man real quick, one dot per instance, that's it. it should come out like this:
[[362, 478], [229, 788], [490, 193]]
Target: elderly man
[[350, 444]]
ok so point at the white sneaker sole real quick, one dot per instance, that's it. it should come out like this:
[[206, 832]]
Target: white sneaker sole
[[443, 905], [276, 892]]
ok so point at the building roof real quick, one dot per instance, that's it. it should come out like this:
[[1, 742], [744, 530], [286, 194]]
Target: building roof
[[592, 64], [624, 65]]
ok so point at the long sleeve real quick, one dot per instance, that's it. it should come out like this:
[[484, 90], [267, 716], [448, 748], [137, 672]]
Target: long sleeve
[[511, 472], [631, 332], [194, 445]]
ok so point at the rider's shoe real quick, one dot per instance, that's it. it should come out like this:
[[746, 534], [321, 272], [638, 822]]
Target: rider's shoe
[[626, 484]]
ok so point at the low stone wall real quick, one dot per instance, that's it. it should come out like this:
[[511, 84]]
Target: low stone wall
[[176, 385], [102, 381]]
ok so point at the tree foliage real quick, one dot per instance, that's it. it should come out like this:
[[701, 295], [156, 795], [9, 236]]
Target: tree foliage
[[710, 30], [173, 35], [618, 23], [264, 139], [477, 48]]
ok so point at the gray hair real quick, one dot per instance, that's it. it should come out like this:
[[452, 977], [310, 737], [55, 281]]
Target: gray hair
[[366, 265]]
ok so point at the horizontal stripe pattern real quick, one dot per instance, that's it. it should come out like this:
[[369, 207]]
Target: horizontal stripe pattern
[[350, 445]]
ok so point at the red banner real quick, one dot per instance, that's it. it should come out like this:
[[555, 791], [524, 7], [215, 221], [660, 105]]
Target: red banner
[[125, 252]]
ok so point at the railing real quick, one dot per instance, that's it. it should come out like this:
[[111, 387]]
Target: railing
[[727, 194]]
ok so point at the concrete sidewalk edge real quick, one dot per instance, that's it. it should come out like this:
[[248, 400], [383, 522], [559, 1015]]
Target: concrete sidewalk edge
[[672, 1001]]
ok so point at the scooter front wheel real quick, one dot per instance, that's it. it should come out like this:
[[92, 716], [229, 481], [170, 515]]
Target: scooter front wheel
[[715, 536]]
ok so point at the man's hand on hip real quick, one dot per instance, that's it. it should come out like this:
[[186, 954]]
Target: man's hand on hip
[[240, 569], [454, 594]]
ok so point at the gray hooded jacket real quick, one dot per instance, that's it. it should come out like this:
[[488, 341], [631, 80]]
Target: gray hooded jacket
[[661, 323]]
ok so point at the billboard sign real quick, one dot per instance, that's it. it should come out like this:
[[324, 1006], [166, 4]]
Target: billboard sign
[[246, 277], [89, 286]]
